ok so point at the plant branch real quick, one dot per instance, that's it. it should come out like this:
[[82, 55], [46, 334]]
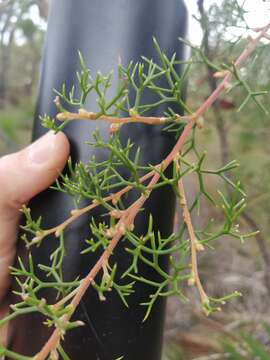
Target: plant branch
[[194, 244], [223, 137], [76, 213], [92, 116], [126, 220]]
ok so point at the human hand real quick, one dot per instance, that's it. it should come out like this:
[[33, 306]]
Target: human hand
[[22, 176]]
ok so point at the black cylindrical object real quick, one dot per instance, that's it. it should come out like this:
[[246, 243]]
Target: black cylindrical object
[[103, 30]]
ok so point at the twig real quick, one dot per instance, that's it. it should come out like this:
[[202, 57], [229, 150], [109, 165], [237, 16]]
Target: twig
[[88, 115], [224, 144], [194, 244], [76, 213], [130, 213], [83, 114], [126, 221]]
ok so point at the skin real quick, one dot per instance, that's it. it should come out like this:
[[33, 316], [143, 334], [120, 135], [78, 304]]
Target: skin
[[23, 175]]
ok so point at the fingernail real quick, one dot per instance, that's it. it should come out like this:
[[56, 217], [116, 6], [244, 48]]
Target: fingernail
[[43, 149]]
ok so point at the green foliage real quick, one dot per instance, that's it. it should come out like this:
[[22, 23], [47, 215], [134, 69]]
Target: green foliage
[[95, 181], [15, 128]]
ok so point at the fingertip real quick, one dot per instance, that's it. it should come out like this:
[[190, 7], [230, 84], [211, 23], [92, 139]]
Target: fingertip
[[49, 151], [63, 143], [30, 171], [61, 152]]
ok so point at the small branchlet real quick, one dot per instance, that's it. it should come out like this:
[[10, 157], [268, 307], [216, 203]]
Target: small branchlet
[[104, 184]]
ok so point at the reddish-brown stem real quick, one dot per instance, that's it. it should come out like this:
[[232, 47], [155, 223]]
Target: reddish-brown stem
[[228, 75], [126, 220], [130, 213], [76, 213]]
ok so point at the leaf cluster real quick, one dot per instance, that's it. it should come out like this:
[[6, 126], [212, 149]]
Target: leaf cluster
[[91, 182]]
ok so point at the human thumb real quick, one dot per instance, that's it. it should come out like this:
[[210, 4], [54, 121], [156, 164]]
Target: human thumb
[[22, 176]]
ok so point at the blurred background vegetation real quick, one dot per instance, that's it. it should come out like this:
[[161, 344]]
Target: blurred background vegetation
[[240, 331], [22, 29]]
